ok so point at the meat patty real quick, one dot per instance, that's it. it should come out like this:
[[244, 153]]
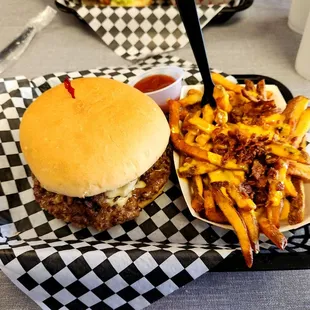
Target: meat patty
[[95, 211]]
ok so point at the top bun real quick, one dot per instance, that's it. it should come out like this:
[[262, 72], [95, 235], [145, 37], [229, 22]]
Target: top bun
[[109, 135]]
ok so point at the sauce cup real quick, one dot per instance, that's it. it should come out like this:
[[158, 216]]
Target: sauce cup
[[171, 91]]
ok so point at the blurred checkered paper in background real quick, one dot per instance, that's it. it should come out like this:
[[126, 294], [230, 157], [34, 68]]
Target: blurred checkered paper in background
[[139, 32]]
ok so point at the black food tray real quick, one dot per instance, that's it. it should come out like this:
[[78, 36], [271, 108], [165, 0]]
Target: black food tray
[[275, 260]]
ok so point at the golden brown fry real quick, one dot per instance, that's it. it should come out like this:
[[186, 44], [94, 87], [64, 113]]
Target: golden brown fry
[[297, 206], [190, 137], [276, 194], [272, 232], [221, 117], [289, 187], [248, 131], [261, 90], [201, 124], [195, 167], [208, 114], [219, 79], [302, 127], [249, 85], [288, 151], [211, 212], [250, 221], [174, 116], [222, 98], [221, 175], [193, 96], [186, 125], [285, 210], [228, 209], [197, 200], [202, 139], [242, 199], [274, 119], [303, 142], [294, 109], [299, 170], [250, 95]]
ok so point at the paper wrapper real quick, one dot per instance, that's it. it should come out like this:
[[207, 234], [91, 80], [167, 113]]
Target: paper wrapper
[[135, 33], [128, 266]]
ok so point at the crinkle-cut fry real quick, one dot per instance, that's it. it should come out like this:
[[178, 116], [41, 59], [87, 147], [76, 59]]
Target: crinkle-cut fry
[[221, 117], [219, 79], [250, 221], [289, 187], [288, 151], [222, 98], [297, 206], [261, 89], [195, 167], [285, 210], [228, 209], [302, 128], [299, 170], [272, 232], [201, 124], [242, 199], [211, 212], [208, 114], [294, 108], [193, 96]]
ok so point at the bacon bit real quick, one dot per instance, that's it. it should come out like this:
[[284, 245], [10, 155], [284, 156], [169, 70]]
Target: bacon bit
[[69, 87]]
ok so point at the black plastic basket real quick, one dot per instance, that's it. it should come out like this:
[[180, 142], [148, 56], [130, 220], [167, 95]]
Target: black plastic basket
[[228, 12]]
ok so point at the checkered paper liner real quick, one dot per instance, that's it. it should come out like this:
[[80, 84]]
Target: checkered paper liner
[[135, 33], [128, 266]]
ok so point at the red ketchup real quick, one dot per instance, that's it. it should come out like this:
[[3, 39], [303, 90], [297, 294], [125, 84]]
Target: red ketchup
[[154, 82]]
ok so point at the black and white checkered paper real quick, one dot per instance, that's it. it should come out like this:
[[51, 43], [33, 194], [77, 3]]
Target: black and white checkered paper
[[128, 266], [138, 32]]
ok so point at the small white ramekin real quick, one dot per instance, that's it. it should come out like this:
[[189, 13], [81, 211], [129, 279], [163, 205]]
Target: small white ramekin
[[172, 91]]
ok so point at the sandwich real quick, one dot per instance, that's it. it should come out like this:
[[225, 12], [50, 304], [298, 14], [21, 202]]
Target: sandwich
[[96, 159]]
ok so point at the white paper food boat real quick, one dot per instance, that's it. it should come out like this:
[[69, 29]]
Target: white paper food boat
[[284, 226]]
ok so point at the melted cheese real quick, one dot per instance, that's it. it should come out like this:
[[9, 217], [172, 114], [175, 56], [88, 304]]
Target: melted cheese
[[120, 195]]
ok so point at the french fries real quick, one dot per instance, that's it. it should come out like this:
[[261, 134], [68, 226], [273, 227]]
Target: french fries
[[211, 211], [297, 204], [227, 207], [246, 171], [195, 167], [250, 221], [272, 232]]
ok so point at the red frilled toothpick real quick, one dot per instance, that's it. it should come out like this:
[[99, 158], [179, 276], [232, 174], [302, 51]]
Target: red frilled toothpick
[[69, 87]]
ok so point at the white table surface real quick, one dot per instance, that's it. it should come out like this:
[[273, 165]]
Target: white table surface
[[255, 41]]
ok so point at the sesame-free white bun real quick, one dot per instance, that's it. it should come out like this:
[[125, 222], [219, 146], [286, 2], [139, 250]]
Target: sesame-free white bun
[[109, 135]]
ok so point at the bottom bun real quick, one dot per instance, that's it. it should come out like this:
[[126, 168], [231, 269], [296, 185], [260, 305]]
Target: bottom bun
[[101, 212]]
